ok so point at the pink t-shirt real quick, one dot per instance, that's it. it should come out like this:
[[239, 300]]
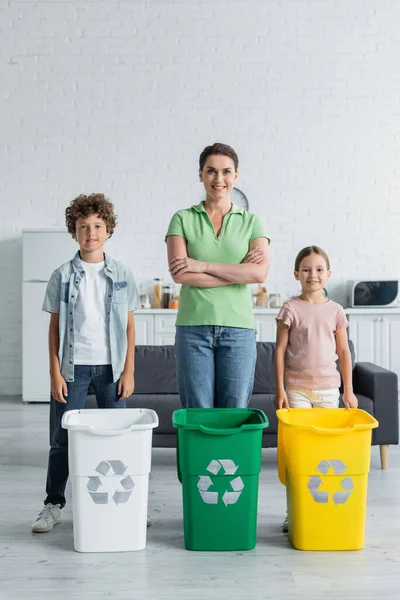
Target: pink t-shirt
[[311, 350]]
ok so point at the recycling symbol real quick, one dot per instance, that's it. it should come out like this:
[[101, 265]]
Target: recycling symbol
[[315, 483], [110, 468], [205, 483]]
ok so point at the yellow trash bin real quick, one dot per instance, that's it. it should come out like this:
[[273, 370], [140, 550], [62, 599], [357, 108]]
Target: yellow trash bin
[[324, 460]]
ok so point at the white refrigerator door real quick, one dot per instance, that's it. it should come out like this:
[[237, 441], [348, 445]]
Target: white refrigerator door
[[35, 355], [44, 251]]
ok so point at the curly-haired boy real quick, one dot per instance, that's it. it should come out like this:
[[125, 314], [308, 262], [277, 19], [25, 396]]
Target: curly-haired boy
[[91, 299]]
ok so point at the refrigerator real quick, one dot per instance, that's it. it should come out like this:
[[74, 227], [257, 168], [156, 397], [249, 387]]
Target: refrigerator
[[43, 250]]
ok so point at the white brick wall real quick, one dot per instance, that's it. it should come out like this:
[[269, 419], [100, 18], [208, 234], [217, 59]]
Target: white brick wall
[[121, 97]]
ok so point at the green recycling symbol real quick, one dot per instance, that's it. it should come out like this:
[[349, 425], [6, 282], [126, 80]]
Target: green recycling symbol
[[107, 468], [315, 483], [230, 496]]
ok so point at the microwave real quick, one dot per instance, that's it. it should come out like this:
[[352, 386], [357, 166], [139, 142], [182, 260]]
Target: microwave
[[373, 293]]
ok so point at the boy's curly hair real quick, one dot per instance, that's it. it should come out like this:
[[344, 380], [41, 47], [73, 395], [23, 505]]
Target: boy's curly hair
[[83, 206]]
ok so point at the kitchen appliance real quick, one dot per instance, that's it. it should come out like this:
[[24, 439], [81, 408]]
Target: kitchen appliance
[[42, 252], [373, 293]]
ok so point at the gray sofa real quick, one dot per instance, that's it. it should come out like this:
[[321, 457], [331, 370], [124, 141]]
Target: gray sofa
[[156, 388]]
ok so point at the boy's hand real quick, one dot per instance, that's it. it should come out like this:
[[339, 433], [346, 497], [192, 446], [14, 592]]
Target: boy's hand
[[126, 385], [59, 389], [253, 256], [281, 400], [350, 400]]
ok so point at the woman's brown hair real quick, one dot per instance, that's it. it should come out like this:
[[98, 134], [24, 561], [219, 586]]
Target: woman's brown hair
[[222, 150]]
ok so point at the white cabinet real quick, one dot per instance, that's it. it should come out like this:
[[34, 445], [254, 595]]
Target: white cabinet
[[365, 331], [164, 329], [265, 327], [157, 327], [144, 329], [376, 338], [391, 343]]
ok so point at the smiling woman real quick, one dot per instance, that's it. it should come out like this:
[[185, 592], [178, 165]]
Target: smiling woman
[[215, 249]]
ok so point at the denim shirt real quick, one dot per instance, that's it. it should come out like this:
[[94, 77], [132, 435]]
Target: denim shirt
[[122, 297]]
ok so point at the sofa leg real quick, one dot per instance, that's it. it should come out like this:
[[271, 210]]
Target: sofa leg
[[384, 450]]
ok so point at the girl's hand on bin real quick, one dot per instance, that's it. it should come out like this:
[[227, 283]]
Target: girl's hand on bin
[[350, 400], [126, 385], [281, 400], [59, 389]]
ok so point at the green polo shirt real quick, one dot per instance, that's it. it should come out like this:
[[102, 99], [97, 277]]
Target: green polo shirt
[[230, 305]]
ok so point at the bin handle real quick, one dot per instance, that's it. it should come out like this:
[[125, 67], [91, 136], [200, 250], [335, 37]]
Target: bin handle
[[111, 432], [342, 430], [210, 430]]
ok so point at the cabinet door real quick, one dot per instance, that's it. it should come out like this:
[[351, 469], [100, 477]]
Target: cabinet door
[[164, 329], [391, 343], [35, 353], [365, 331], [266, 328], [144, 328], [164, 339]]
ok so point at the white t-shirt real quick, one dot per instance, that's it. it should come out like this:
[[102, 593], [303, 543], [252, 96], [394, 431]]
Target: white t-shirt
[[92, 340]]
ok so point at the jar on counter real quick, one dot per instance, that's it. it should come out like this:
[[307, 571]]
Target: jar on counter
[[274, 301], [158, 292], [168, 294], [145, 301], [174, 303]]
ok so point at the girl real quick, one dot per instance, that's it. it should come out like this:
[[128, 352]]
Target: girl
[[312, 330]]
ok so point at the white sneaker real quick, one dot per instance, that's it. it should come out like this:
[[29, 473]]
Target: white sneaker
[[285, 525], [49, 516]]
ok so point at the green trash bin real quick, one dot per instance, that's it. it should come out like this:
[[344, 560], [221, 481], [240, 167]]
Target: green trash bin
[[218, 463]]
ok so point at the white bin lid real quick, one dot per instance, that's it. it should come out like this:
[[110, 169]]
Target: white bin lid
[[110, 421]]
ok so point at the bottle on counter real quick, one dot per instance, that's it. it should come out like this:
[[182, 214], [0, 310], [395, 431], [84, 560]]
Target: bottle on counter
[[158, 292], [261, 297], [167, 295]]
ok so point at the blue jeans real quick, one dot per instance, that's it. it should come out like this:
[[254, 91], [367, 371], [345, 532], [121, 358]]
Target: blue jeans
[[215, 365], [101, 378]]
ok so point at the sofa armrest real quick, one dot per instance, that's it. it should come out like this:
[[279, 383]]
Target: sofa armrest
[[381, 386]]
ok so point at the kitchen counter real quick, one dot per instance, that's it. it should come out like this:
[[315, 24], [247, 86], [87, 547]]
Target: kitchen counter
[[274, 311]]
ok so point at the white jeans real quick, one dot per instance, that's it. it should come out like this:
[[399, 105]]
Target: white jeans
[[313, 398]]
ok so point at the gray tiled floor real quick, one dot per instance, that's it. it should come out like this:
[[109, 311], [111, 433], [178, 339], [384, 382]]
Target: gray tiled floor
[[46, 566]]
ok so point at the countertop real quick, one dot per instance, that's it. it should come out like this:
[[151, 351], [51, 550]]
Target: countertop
[[274, 311]]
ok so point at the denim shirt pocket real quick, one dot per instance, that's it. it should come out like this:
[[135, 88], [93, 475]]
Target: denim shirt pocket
[[64, 291], [120, 292]]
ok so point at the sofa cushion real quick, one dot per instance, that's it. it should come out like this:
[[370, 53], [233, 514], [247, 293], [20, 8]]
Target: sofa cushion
[[155, 370], [264, 376], [265, 402], [163, 404]]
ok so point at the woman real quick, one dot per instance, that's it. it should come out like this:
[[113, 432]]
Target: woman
[[216, 249]]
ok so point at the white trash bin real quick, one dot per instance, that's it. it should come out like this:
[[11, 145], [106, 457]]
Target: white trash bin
[[109, 453]]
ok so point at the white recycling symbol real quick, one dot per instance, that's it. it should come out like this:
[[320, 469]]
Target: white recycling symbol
[[120, 496], [315, 482], [205, 482]]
